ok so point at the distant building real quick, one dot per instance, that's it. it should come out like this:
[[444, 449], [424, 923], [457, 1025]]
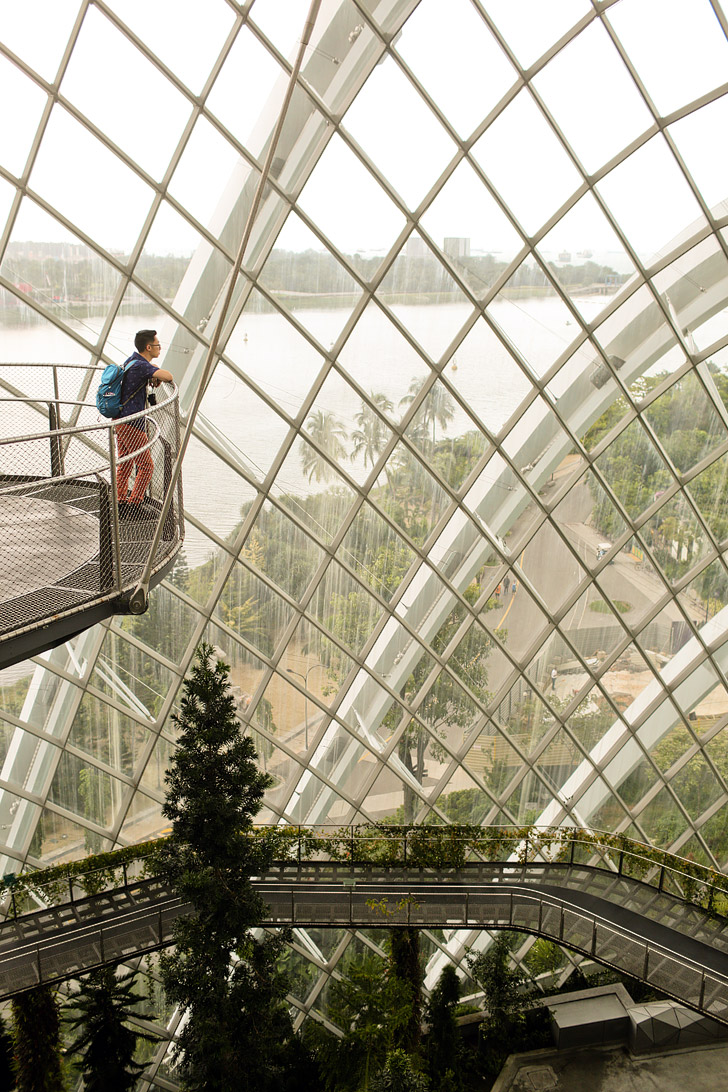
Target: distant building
[[456, 247]]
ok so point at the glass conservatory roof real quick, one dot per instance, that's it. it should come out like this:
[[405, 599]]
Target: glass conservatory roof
[[455, 494]]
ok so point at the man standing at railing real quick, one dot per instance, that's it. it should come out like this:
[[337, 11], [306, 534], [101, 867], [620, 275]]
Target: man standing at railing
[[131, 436]]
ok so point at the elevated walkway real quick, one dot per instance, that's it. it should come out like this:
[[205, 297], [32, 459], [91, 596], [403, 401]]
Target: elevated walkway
[[634, 927], [68, 556]]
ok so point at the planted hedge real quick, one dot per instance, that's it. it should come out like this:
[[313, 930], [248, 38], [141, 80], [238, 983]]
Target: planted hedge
[[440, 847]]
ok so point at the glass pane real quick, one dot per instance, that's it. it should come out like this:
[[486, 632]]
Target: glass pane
[[512, 152], [412, 148], [19, 32], [166, 256], [587, 257], [86, 196], [307, 280], [194, 185], [269, 349], [249, 78], [312, 652], [152, 105], [376, 553], [345, 609], [251, 609], [465, 210], [686, 423], [363, 219], [378, 357], [281, 550], [663, 38], [204, 467], [330, 436], [414, 499], [597, 126], [246, 427], [633, 469], [458, 61], [487, 377], [650, 199], [370, 434], [530, 28], [426, 300], [189, 55], [700, 153], [282, 22], [533, 318], [167, 627], [21, 122], [63, 276], [131, 678], [334, 419], [322, 511]]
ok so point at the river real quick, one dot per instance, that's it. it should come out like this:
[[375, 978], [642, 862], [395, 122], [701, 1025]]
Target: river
[[285, 365]]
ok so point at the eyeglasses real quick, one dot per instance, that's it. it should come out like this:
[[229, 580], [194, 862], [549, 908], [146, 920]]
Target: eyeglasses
[[156, 345]]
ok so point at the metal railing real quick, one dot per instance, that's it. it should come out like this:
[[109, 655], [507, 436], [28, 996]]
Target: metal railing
[[615, 930], [435, 849], [68, 541]]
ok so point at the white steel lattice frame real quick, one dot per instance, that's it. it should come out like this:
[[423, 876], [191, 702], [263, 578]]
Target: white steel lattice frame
[[345, 735]]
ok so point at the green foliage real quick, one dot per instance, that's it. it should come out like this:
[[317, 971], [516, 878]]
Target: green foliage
[[399, 1074], [443, 1047], [105, 1038], [371, 433], [7, 1080], [406, 965], [330, 434], [238, 1030], [543, 956], [36, 1033], [506, 998], [503, 986], [686, 423], [429, 845], [226, 982], [600, 607], [374, 1007]]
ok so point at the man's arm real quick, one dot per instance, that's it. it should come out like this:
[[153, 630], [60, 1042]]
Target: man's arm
[[161, 376]]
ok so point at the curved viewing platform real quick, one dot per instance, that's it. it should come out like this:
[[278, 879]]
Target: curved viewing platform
[[70, 555]]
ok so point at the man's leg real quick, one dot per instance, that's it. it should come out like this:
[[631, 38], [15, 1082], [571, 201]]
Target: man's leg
[[125, 445], [130, 439]]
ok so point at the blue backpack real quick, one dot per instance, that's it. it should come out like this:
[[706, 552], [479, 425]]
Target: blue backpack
[[108, 396]]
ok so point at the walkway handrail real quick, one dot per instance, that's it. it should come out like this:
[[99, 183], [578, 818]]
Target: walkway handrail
[[428, 848], [72, 471], [658, 939]]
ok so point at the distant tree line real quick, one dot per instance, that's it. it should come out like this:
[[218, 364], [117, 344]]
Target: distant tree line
[[53, 274]]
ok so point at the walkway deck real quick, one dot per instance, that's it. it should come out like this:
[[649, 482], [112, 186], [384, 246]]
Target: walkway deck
[[66, 560], [678, 948]]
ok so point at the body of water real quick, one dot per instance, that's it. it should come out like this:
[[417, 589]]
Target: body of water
[[285, 365]]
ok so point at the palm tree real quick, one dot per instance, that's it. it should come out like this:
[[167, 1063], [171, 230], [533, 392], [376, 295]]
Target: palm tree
[[371, 433], [330, 435], [438, 407]]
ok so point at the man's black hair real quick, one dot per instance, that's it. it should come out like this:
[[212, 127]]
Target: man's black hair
[[143, 338]]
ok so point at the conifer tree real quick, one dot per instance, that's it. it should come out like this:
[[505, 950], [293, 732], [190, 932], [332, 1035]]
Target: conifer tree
[[406, 966], [106, 1040], [36, 1032], [224, 980], [443, 1045], [7, 1081]]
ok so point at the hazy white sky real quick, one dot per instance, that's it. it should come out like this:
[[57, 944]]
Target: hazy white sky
[[678, 48]]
